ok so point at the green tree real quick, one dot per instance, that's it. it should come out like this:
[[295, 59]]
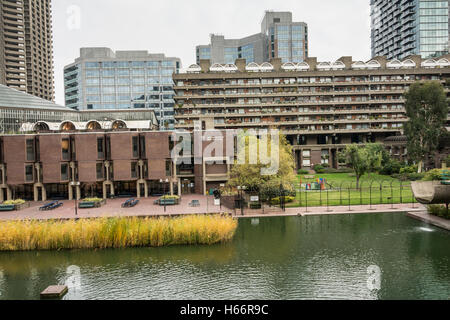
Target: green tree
[[357, 158], [250, 176], [427, 109]]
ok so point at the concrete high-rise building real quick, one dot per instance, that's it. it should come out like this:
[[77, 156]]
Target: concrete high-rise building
[[280, 37], [401, 28], [26, 46], [101, 79]]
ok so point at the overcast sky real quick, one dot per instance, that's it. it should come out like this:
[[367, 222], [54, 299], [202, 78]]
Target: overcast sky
[[174, 27]]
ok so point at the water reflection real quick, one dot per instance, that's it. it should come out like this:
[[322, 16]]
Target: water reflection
[[322, 257]]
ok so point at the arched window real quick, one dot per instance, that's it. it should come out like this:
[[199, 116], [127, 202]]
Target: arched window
[[67, 126], [216, 67], [408, 64], [252, 67], [324, 66], [394, 64], [359, 65], [119, 125], [194, 68], [93, 125]]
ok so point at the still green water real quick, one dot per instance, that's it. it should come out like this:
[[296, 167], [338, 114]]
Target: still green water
[[320, 257]]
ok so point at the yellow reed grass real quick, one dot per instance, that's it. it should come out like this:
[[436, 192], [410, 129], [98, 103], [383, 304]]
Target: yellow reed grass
[[115, 233]]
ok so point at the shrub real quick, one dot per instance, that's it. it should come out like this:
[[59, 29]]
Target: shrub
[[170, 197], [391, 167], [433, 175], [14, 202], [318, 168], [345, 170], [330, 170], [408, 169], [415, 176], [92, 200], [439, 211], [303, 171], [288, 199]]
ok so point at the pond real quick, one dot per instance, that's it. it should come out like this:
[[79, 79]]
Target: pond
[[359, 256]]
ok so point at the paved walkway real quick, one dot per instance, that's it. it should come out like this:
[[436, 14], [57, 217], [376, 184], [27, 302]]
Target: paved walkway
[[147, 208]]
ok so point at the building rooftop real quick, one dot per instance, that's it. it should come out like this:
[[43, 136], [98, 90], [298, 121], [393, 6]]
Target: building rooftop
[[12, 98]]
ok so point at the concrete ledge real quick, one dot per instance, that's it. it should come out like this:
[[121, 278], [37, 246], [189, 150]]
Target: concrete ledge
[[430, 219]]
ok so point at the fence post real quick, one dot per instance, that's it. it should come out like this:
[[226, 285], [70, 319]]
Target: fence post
[[360, 192], [370, 195], [320, 195], [306, 198], [392, 195], [401, 188], [328, 204], [340, 194], [349, 199]]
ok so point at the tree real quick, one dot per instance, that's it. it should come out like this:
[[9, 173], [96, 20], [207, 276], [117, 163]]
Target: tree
[[427, 109], [356, 158], [250, 176], [377, 156]]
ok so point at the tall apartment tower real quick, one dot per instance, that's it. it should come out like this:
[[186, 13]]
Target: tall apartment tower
[[401, 28], [280, 37], [102, 79], [26, 46]]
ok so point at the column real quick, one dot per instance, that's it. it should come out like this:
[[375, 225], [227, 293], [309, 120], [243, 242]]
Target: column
[[179, 187]]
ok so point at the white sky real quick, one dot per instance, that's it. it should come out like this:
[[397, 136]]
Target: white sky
[[174, 27]]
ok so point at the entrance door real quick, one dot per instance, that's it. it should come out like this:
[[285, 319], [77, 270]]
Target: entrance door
[[187, 186]]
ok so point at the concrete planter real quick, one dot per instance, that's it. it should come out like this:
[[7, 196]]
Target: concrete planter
[[19, 207]]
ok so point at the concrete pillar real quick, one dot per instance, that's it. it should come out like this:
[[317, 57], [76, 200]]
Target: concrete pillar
[[179, 187], [1, 195], [36, 192], [138, 189], [44, 193], [171, 187], [8, 193], [70, 192]]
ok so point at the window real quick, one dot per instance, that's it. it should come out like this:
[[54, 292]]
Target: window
[[30, 150], [142, 144], [64, 172], [99, 171], [29, 173], [168, 168], [100, 148], [65, 149], [135, 147], [134, 169]]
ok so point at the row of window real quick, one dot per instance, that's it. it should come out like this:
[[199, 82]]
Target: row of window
[[128, 81], [133, 64], [127, 72]]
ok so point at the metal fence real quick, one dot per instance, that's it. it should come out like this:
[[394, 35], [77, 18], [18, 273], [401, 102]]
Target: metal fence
[[368, 192]]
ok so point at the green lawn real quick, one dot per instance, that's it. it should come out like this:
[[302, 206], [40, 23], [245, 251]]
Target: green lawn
[[374, 189]]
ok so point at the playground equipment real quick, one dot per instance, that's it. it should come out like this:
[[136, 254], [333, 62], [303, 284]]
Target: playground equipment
[[433, 192], [319, 185]]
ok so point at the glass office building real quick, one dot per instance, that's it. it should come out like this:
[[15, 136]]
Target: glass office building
[[101, 79], [280, 37], [406, 27]]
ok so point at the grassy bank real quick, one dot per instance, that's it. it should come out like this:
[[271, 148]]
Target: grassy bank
[[115, 233], [373, 189]]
